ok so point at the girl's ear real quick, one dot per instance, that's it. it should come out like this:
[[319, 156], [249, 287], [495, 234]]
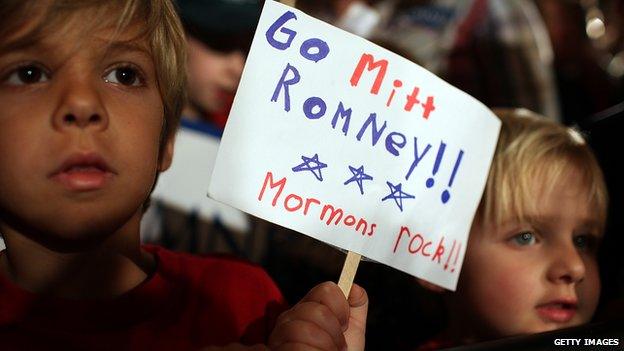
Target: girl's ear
[[166, 154], [430, 286]]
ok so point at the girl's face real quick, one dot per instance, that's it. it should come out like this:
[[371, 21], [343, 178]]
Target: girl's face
[[80, 128], [533, 276]]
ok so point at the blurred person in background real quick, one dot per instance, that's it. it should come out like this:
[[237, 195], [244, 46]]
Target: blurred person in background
[[219, 34]]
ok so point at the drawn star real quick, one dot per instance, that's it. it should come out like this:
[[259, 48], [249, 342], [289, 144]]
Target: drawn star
[[359, 177], [397, 194], [311, 164]]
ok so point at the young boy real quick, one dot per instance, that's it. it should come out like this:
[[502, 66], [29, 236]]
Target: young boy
[[531, 262], [90, 96]]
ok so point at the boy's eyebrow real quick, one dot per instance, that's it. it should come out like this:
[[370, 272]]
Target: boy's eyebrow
[[22, 43], [126, 46], [31, 41], [594, 226], [591, 224]]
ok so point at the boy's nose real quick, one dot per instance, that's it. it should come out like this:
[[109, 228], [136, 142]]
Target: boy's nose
[[568, 266], [80, 106]]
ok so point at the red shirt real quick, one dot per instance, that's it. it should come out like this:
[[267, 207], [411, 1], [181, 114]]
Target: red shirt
[[188, 302]]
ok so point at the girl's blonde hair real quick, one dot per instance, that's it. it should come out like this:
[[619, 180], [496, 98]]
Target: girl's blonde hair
[[156, 20], [535, 154]]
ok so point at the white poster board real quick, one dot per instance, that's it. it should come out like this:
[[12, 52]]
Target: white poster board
[[342, 140]]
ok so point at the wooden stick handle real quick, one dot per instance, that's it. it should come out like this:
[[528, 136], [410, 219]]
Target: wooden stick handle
[[290, 3], [348, 272]]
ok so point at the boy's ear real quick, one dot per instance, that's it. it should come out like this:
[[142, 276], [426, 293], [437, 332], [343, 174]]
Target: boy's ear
[[166, 153], [430, 286]]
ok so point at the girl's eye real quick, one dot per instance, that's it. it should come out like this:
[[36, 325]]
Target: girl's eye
[[126, 75], [28, 74], [524, 239]]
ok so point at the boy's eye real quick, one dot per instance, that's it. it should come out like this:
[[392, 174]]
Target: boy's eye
[[124, 75], [585, 242], [524, 239], [29, 74]]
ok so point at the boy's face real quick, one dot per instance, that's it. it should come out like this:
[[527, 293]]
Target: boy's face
[[534, 276], [80, 123]]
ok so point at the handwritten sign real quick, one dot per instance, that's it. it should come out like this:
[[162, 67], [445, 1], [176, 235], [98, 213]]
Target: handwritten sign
[[344, 141]]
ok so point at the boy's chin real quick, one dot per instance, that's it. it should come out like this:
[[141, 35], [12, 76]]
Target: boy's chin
[[77, 233], [70, 242], [536, 328]]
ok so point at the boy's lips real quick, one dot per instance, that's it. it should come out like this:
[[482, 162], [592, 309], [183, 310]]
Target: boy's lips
[[559, 310], [83, 172]]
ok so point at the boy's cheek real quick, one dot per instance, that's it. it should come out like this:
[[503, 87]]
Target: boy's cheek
[[495, 281], [589, 291]]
